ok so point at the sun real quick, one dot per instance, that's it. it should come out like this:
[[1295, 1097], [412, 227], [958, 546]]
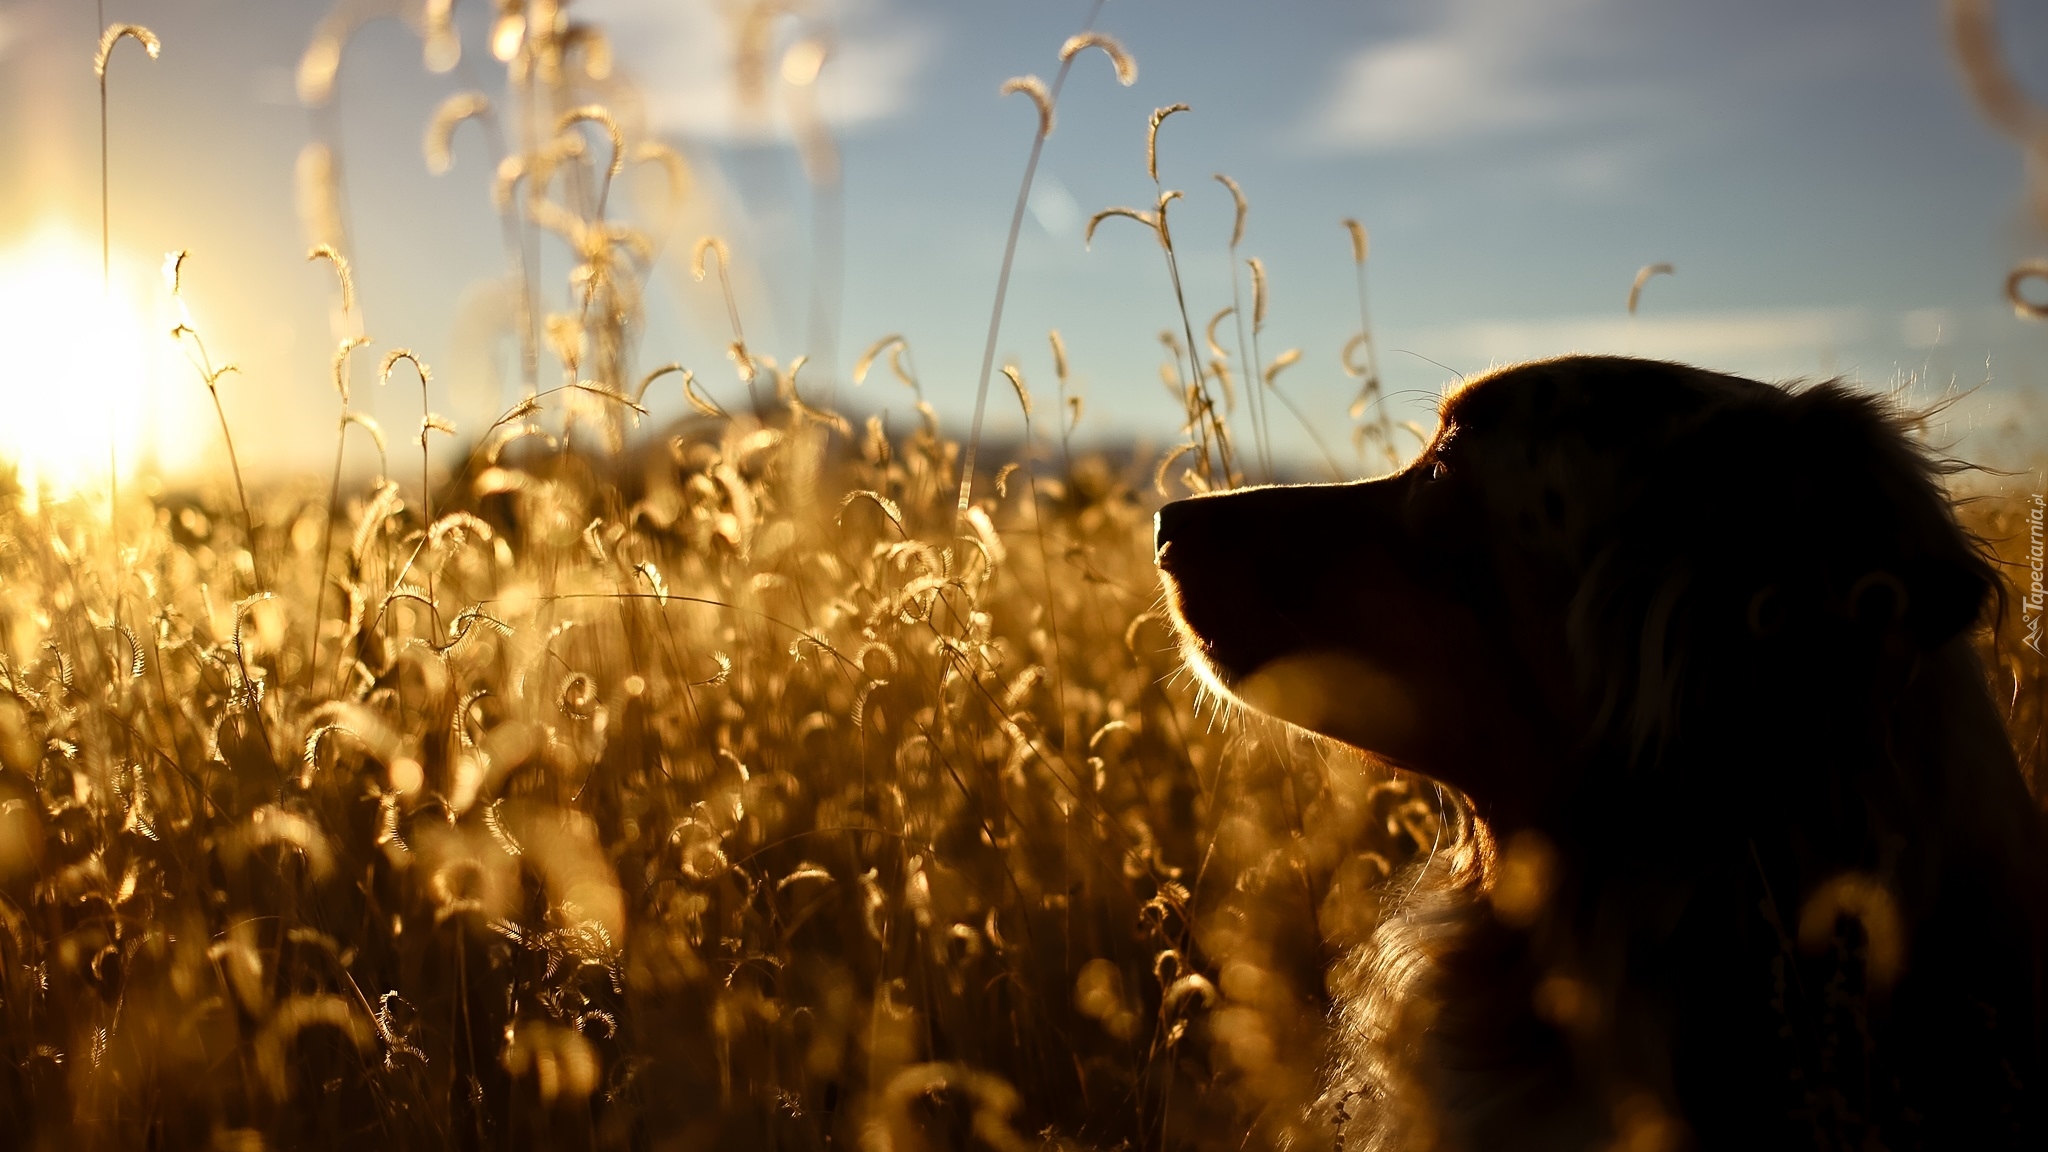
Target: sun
[[78, 358]]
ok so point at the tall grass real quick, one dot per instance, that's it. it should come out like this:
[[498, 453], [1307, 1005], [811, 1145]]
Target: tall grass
[[718, 789], [742, 788]]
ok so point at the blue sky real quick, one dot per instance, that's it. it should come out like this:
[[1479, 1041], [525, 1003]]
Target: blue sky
[[1812, 168]]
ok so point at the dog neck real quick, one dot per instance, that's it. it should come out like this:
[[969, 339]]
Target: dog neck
[[1819, 913]]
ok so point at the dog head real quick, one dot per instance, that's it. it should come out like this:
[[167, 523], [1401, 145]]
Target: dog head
[[1594, 558]]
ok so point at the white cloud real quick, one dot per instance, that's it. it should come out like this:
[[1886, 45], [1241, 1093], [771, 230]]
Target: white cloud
[[1781, 342], [681, 54], [1476, 68]]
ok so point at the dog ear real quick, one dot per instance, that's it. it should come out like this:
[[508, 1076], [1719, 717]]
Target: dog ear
[[1911, 565]]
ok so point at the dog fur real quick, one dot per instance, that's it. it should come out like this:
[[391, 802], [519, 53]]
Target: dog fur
[[1752, 865]]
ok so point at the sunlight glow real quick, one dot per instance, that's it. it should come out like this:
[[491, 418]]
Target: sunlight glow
[[76, 365]]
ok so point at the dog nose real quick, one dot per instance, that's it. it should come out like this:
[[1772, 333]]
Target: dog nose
[[1170, 521]]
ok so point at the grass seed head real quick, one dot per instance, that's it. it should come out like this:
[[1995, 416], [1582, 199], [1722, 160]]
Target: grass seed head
[[601, 116], [1126, 65], [1358, 240], [1016, 379], [1242, 206], [1643, 274], [441, 129], [1281, 363], [505, 181], [321, 61], [390, 363], [705, 247], [342, 274], [114, 34], [1352, 367], [867, 359], [1033, 87], [1148, 219], [1216, 351], [1159, 116]]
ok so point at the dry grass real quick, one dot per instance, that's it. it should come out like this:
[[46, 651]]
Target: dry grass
[[739, 790], [720, 791]]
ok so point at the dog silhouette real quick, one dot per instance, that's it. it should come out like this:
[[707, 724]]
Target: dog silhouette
[[1752, 863]]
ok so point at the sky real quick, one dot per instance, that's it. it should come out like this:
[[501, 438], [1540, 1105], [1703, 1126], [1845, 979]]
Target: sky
[[1813, 169]]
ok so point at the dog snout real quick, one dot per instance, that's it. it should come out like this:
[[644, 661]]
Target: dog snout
[[1236, 528], [1168, 524]]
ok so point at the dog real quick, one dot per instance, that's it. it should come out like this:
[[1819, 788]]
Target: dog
[[1750, 863]]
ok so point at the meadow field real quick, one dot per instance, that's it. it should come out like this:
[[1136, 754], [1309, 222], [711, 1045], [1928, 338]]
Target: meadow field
[[746, 782]]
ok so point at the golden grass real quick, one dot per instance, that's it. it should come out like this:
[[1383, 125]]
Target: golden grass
[[677, 793]]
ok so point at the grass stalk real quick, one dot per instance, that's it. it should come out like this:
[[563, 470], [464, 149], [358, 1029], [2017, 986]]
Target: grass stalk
[[110, 36], [1371, 399], [202, 362], [995, 316], [1255, 398], [1204, 414], [1269, 373]]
